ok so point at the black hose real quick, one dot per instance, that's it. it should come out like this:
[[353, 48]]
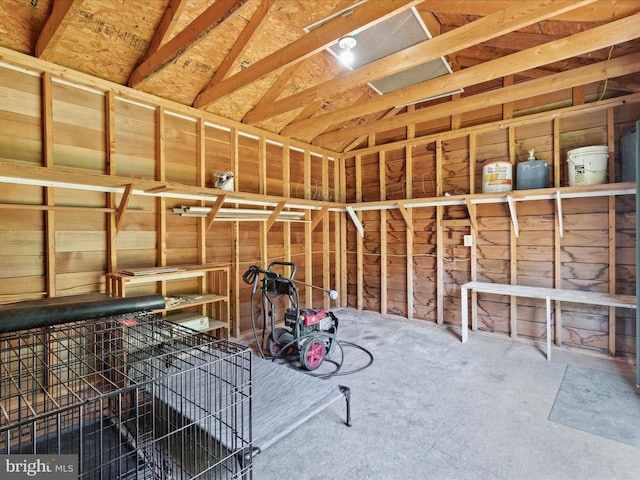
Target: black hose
[[338, 371], [251, 277]]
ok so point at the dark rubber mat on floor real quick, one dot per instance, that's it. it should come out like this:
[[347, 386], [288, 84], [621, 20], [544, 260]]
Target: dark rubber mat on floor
[[602, 403]]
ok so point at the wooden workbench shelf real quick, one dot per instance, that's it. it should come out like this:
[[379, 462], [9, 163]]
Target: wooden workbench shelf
[[202, 289]]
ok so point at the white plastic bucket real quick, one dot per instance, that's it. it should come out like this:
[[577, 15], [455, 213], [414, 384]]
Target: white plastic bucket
[[588, 165], [497, 177]]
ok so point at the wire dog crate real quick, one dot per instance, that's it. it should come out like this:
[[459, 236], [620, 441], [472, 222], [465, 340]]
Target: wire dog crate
[[133, 396]]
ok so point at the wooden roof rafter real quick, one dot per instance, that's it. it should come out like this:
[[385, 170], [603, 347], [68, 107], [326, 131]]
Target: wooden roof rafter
[[282, 80], [598, 12], [559, 81], [204, 24], [597, 38], [306, 46], [53, 29], [513, 18], [166, 26], [241, 43]]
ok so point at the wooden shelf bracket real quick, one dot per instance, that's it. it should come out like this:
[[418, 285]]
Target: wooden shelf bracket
[[122, 208], [559, 207], [356, 221], [514, 215]]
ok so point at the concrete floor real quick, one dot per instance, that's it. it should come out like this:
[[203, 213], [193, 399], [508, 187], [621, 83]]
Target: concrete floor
[[431, 407]]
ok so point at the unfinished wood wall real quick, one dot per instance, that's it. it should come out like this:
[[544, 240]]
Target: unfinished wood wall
[[413, 262], [61, 241]]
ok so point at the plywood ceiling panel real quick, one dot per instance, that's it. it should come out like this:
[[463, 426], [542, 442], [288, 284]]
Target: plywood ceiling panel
[[109, 39]]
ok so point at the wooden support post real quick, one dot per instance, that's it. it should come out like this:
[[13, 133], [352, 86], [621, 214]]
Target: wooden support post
[[262, 187], [161, 216], [472, 162], [308, 260], [558, 232], [455, 118], [612, 230], [408, 218], [382, 169], [473, 146], [513, 243], [637, 262], [326, 260], [557, 161], [439, 238], [439, 265], [286, 192], [341, 242], [110, 152], [203, 223], [49, 193], [308, 237], [359, 238], [507, 108], [472, 208], [233, 147]]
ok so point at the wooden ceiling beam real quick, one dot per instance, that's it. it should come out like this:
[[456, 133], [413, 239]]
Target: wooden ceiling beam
[[594, 39], [242, 42], [598, 12], [516, 41], [517, 16], [310, 44], [166, 26], [613, 84], [559, 81], [205, 23], [53, 29]]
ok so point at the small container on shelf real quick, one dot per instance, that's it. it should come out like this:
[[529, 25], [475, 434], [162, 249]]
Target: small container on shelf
[[497, 177], [588, 165], [533, 173], [629, 155]]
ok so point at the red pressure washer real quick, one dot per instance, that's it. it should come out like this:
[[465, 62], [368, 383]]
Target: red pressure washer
[[309, 332]]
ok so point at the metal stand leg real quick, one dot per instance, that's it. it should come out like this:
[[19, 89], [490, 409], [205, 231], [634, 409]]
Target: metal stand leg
[[346, 391]]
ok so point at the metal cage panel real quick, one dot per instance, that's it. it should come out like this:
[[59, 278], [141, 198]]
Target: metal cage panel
[[134, 396]]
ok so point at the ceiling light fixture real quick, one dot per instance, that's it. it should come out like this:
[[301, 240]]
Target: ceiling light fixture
[[347, 44]]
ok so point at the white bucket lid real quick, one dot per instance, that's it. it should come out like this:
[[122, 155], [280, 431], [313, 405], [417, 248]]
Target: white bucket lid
[[594, 149]]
